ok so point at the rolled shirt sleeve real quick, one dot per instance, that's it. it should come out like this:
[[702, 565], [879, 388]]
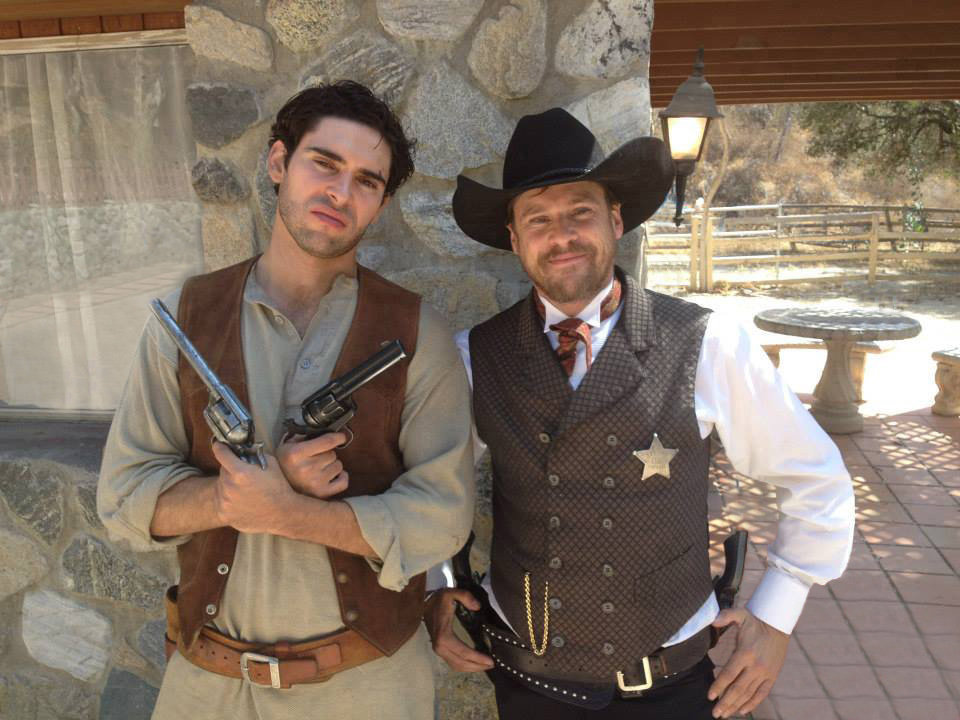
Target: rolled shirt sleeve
[[145, 449], [426, 515], [769, 435]]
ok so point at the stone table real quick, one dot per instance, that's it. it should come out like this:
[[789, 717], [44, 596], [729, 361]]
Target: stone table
[[835, 398]]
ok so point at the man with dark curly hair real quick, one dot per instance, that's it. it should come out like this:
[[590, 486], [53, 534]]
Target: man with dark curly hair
[[301, 584]]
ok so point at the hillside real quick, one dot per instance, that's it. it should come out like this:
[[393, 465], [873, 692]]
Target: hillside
[[768, 163]]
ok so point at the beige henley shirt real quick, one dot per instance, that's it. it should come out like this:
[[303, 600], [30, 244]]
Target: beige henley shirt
[[282, 589]]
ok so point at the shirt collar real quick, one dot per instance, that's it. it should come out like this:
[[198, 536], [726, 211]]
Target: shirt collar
[[343, 287], [590, 314]]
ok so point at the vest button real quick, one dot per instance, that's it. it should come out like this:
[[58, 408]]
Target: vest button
[[553, 479], [211, 609], [611, 440], [607, 607], [609, 482], [223, 568], [343, 578], [557, 641], [554, 522], [608, 570], [607, 524], [607, 649], [351, 616], [544, 438], [555, 603], [556, 563]]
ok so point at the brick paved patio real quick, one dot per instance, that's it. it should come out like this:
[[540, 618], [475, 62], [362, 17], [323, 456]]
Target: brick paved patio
[[883, 641]]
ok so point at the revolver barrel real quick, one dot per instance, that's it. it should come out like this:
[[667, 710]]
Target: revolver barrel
[[228, 419]]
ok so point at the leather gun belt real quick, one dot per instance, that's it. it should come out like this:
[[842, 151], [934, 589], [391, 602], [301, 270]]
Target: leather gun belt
[[278, 665], [666, 665]]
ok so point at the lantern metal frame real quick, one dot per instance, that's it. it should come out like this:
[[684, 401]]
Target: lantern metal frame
[[693, 99]]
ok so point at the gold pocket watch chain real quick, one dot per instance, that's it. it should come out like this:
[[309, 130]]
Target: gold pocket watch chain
[[546, 616]]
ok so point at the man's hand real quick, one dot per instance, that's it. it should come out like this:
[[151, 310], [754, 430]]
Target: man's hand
[[312, 467], [439, 618], [248, 498], [749, 674]]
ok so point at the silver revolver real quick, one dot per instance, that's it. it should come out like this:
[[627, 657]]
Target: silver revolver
[[229, 420]]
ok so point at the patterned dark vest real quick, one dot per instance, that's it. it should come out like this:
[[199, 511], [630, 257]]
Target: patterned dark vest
[[210, 315], [626, 559]]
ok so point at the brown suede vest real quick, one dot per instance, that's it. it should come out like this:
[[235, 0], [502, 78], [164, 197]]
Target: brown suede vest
[[625, 557], [210, 315]]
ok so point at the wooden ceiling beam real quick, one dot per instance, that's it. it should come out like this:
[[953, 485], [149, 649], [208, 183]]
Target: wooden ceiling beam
[[53, 9], [810, 39], [718, 84], [684, 58], [852, 92], [721, 69], [800, 13], [661, 101]]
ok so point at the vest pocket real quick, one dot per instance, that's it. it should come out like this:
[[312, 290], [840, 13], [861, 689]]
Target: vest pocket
[[669, 584]]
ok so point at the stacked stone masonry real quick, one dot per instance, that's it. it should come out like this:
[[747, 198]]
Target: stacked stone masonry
[[460, 73], [81, 632]]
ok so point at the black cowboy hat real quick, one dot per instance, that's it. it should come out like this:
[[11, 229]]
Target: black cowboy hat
[[553, 148]]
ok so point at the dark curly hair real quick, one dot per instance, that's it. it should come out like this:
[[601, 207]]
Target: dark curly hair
[[351, 101]]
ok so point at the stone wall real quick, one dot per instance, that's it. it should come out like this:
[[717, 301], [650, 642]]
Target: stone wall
[[80, 632], [81, 635]]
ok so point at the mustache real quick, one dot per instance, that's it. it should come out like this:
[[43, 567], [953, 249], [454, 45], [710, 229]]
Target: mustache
[[572, 247]]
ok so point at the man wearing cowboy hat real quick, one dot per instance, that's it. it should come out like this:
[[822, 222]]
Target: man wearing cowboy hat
[[596, 399]]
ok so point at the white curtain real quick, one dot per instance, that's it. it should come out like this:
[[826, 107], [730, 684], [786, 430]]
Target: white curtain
[[96, 216]]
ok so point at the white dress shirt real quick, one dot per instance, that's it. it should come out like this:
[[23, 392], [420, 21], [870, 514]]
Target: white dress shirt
[[768, 435]]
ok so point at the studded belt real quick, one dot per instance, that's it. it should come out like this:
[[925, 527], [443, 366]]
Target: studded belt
[[660, 668]]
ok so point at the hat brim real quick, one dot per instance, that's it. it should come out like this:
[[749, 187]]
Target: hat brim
[[639, 174]]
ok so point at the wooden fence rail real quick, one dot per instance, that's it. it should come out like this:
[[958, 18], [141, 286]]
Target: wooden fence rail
[[852, 235]]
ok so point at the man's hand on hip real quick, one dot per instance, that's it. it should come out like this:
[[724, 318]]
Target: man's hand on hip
[[311, 466], [439, 619], [248, 498], [747, 677]]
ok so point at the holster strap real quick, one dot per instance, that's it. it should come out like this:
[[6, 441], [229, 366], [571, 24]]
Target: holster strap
[[278, 665]]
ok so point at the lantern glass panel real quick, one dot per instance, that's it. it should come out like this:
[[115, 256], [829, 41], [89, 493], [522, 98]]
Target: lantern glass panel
[[686, 136]]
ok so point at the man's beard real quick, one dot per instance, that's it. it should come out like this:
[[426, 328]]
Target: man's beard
[[562, 289], [313, 242]]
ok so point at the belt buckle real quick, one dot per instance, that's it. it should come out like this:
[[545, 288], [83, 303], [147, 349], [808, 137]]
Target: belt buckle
[[273, 662], [647, 679]]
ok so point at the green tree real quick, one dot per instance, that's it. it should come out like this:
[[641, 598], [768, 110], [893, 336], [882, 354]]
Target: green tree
[[915, 139]]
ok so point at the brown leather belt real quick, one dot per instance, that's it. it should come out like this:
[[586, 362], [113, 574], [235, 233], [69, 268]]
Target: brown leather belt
[[278, 665]]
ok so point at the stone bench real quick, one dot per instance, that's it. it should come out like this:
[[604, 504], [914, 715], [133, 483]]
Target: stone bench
[[858, 356], [947, 401]]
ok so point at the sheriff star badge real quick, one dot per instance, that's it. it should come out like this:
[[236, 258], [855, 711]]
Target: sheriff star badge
[[656, 459]]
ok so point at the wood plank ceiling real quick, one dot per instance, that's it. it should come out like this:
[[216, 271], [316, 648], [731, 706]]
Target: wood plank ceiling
[[50, 18], [772, 51]]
